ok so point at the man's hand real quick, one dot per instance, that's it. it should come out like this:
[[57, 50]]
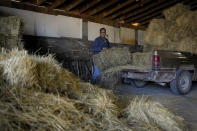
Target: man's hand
[[104, 48]]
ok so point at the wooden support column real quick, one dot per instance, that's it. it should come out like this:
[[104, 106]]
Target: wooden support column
[[136, 37], [85, 30]]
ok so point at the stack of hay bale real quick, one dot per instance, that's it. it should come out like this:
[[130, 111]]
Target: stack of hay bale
[[10, 32], [36, 93], [109, 63], [177, 32]]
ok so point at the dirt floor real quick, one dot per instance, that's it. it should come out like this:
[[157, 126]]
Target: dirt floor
[[185, 105]]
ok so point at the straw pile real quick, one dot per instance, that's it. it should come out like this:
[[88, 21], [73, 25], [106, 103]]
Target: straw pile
[[142, 109], [177, 32], [10, 32], [37, 94]]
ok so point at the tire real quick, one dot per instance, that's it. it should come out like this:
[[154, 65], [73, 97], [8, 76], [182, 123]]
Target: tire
[[182, 83], [138, 83], [126, 81]]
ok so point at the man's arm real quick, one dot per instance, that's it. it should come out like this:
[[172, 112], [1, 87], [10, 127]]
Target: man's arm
[[109, 45]]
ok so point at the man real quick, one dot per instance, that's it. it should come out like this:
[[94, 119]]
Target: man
[[99, 44]]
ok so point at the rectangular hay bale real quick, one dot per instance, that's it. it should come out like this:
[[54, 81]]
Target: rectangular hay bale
[[10, 26]]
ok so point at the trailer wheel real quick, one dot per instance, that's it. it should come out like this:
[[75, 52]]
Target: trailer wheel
[[182, 83], [138, 83]]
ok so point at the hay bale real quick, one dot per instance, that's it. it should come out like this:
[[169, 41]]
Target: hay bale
[[142, 59], [188, 44], [154, 115], [189, 21], [155, 32], [110, 78], [11, 26], [10, 32], [10, 42], [111, 58], [173, 12], [177, 33]]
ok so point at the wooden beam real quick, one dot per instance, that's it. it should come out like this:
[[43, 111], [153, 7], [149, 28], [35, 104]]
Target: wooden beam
[[88, 6], [72, 5], [45, 10], [157, 9], [119, 6], [148, 20], [142, 16], [57, 3], [139, 4], [145, 9], [149, 17], [102, 7], [194, 7], [192, 2], [39, 2]]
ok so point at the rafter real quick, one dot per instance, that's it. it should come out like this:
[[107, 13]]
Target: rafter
[[100, 8], [158, 9], [39, 2], [149, 17], [88, 6], [145, 9], [194, 7], [148, 20], [72, 5], [152, 8], [142, 2], [119, 6], [142, 16], [57, 3]]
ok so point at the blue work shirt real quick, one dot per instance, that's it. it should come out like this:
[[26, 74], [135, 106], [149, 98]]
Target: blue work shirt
[[99, 44]]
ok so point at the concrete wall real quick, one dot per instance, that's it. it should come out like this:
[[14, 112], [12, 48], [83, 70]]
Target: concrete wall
[[127, 35], [114, 34], [39, 24], [94, 31]]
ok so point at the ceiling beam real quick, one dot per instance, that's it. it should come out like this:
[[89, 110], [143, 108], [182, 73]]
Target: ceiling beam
[[194, 7], [149, 17], [57, 3], [72, 5], [88, 6], [116, 8], [130, 8], [145, 9], [101, 7], [39, 2], [156, 9], [142, 16], [148, 20]]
